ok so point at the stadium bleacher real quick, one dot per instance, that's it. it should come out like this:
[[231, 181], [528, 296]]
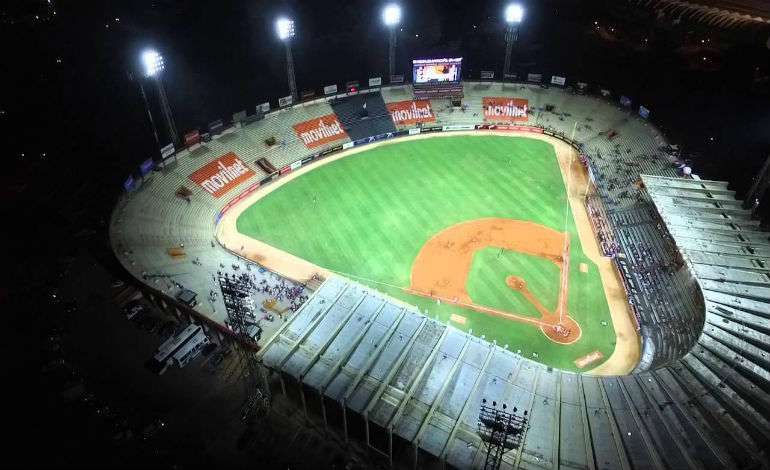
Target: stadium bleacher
[[363, 115], [698, 274]]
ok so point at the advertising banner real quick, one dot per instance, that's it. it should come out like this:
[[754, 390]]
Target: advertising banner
[[319, 131], [375, 81], [414, 131], [192, 138], [411, 112], [146, 166], [644, 112], [396, 79], [167, 151], [625, 101], [330, 89], [296, 165], [285, 101], [510, 76], [556, 80], [534, 130], [535, 77], [307, 160], [459, 127], [348, 145], [487, 74], [222, 175], [264, 107], [284, 170], [505, 109]]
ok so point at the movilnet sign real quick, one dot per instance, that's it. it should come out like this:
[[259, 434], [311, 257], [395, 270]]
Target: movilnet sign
[[411, 112], [222, 175], [501, 109], [319, 131]]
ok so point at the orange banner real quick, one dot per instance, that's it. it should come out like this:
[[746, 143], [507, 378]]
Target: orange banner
[[502, 109], [411, 112], [319, 131], [222, 175]]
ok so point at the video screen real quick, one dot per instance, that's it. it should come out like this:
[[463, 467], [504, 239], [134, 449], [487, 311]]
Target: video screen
[[436, 70]]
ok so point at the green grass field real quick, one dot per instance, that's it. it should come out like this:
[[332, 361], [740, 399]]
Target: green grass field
[[374, 211]]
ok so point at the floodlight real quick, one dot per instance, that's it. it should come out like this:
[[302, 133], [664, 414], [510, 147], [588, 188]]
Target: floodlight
[[514, 13], [153, 62], [391, 15], [285, 28]]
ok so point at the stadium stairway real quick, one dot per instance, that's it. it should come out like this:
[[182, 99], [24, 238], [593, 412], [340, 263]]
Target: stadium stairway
[[363, 115]]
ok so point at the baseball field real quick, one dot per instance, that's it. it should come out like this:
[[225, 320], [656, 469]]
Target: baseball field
[[475, 230]]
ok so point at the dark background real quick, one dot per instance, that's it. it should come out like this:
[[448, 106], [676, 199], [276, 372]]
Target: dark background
[[74, 125]]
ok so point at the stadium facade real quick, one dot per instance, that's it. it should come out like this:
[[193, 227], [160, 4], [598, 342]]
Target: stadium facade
[[694, 263]]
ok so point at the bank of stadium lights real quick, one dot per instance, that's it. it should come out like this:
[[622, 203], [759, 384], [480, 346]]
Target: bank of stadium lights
[[391, 16], [284, 27], [153, 62], [514, 14]]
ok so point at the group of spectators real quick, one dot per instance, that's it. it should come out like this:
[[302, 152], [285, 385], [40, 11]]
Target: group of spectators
[[604, 233], [294, 294]]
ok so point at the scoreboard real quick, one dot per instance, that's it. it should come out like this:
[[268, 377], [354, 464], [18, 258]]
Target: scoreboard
[[436, 71]]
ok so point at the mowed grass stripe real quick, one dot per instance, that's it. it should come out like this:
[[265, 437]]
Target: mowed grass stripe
[[376, 209]]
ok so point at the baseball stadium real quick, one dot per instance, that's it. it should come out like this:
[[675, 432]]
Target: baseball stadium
[[420, 250]]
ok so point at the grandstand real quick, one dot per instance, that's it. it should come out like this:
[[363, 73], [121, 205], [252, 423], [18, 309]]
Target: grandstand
[[694, 264]]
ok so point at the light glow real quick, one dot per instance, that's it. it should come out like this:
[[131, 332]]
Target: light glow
[[514, 13], [391, 14]]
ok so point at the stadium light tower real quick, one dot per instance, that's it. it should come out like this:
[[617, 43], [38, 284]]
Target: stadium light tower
[[391, 16], [284, 27], [154, 64], [514, 13]]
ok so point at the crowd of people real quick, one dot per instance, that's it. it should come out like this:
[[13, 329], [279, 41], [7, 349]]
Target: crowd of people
[[604, 233], [293, 294]]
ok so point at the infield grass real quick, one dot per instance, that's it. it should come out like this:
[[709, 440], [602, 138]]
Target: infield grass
[[368, 215]]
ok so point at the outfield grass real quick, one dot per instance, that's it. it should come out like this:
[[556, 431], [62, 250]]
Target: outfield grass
[[368, 215]]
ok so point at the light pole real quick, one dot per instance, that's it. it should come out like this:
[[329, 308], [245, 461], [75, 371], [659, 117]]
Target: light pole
[[391, 16], [153, 65], [513, 16], [285, 29]]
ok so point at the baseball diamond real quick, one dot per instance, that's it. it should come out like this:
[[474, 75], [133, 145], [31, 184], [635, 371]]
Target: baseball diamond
[[496, 205]]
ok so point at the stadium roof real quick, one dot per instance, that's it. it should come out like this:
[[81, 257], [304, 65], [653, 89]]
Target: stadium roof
[[720, 13]]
